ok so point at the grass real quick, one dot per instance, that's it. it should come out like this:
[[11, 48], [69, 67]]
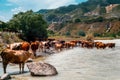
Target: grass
[[79, 38]]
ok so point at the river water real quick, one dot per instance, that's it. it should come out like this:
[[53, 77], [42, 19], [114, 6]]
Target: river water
[[79, 64]]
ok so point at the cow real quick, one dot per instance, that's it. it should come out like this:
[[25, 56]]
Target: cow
[[58, 46], [99, 45], [34, 46], [25, 46], [110, 45], [15, 56], [14, 46]]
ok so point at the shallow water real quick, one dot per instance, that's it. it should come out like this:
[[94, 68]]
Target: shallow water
[[80, 64]]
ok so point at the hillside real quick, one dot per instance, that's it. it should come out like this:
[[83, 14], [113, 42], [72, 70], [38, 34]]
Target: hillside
[[92, 8], [93, 12], [105, 28]]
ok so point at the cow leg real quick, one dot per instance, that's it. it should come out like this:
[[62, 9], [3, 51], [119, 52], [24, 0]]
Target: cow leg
[[34, 53], [60, 49], [39, 49], [20, 67], [23, 67], [4, 66], [45, 49], [42, 49]]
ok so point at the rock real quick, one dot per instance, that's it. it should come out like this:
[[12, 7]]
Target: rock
[[41, 69], [5, 77]]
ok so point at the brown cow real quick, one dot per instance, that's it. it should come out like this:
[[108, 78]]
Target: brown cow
[[14, 56], [34, 46], [72, 44], [74, 41], [84, 43], [89, 44], [67, 45], [25, 46], [99, 45], [58, 46], [110, 45]]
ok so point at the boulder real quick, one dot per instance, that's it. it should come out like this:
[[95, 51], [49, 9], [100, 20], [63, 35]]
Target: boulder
[[5, 77], [41, 69]]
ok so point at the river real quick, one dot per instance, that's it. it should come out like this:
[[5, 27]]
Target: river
[[79, 64]]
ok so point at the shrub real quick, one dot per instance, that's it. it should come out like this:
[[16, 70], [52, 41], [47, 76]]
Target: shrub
[[68, 33], [110, 35], [50, 33], [97, 34], [81, 33], [77, 20]]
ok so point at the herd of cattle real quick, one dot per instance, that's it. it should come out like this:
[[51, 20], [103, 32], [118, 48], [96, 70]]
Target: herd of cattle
[[57, 45], [20, 52]]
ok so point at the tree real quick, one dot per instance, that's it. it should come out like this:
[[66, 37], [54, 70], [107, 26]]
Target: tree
[[97, 35], [99, 19], [2, 25], [30, 24], [81, 33], [77, 20], [68, 33]]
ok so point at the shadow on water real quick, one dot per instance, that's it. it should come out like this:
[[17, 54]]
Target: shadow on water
[[17, 73]]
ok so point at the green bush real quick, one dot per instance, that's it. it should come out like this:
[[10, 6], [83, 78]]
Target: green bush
[[50, 33], [68, 33], [81, 33], [97, 35], [110, 35], [77, 20]]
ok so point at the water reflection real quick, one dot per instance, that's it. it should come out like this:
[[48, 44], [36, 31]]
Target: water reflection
[[81, 64]]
